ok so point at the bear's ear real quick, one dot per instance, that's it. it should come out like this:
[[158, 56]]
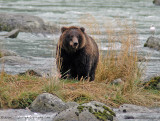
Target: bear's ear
[[82, 29], [63, 29]]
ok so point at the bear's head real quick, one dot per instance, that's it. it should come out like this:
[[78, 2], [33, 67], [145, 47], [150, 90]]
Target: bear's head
[[72, 38]]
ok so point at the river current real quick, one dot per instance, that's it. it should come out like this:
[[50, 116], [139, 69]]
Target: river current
[[40, 50]]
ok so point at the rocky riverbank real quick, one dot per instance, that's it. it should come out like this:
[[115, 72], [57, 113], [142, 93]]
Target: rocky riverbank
[[25, 23], [10, 59], [48, 107]]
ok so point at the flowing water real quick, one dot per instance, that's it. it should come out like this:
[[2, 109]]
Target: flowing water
[[40, 50]]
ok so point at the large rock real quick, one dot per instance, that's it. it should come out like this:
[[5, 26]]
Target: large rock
[[71, 111], [47, 103], [24, 115], [137, 113], [153, 42], [156, 2], [92, 111], [25, 23], [133, 108], [13, 60]]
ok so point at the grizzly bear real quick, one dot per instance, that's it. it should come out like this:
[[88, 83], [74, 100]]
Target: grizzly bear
[[77, 54]]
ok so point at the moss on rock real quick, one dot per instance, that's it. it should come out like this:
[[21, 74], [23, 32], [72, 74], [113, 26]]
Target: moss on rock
[[153, 83], [80, 108], [102, 115], [109, 110]]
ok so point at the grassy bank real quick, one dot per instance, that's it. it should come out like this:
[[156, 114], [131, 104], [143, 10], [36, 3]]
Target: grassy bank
[[20, 91]]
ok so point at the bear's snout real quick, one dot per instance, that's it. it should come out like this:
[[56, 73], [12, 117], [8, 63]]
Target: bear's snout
[[74, 43]]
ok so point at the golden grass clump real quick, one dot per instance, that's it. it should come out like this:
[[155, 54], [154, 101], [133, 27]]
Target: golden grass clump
[[121, 63], [120, 60]]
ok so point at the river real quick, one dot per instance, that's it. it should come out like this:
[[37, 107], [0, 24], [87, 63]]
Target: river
[[40, 50]]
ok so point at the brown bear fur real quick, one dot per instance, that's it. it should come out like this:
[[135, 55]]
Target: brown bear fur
[[77, 54]]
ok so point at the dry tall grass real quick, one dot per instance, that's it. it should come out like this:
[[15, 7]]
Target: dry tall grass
[[123, 62]]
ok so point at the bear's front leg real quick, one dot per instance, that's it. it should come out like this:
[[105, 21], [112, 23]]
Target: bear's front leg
[[83, 67]]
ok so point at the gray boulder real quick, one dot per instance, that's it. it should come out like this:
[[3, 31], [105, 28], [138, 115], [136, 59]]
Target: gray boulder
[[137, 113], [133, 108], [71, 104], [47, 103], [153, 42], [25, 23], [156, 2], [24, 115], [13, 60], [92, 111]]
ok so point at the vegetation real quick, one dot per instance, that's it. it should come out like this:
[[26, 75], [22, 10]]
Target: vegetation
[[153, 83], [19, 91], [107, 114]]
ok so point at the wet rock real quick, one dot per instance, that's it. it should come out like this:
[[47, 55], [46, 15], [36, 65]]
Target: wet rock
[[133, 108], [157, 109], [73, 114], [153, 42], [12, 34], [25, 23], [138, 116], [92, 111], [24, 115], [31, 73], [47, 103], [7, 53], [128, 117], [137, 113], [156, 2], [13, 60]]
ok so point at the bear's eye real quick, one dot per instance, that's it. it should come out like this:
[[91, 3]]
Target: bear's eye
[[79, 37], [68, 37]]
